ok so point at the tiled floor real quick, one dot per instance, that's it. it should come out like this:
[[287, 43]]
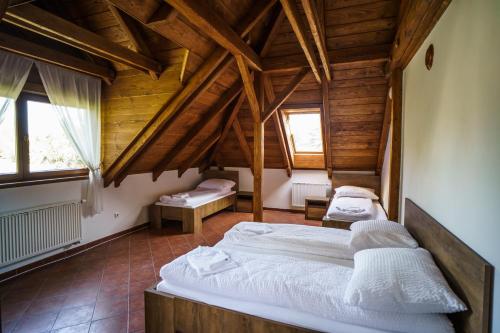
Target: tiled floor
[[101, 290]]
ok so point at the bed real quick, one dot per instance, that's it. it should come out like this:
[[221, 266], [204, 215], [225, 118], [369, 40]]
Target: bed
[[204, 204], [362, 180], [468, 274]]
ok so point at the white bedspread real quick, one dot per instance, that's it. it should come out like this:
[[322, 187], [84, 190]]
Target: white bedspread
[[192, 198], [351, 209], [303, 285], [294, 238]]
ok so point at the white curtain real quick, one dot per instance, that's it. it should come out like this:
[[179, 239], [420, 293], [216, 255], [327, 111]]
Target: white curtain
[[76, 98], [14, 71]]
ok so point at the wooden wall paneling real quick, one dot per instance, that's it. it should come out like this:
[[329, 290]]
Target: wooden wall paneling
[[395, 170], [197, 129], [227, 127], [326, 120], [316, 22], [272, 34], [417, 20], [385, 133], [42, 53], [3, 7], [245, 149], [214, 26], [269, 91], [198, 154], [32, 18], [293, 15], [283, 95], [128, 25]]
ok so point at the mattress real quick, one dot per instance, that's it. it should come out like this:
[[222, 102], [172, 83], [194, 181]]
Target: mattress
[[197, 197], [378, 214], [292, 238], [292, 290]]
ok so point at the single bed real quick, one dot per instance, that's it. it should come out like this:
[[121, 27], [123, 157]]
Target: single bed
[[362, 180], [201, 204], [185, 310]]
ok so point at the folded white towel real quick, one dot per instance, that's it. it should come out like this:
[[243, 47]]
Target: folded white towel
[[166, 199], [354, 210], [181, 195], [207, 260], [256, 228]]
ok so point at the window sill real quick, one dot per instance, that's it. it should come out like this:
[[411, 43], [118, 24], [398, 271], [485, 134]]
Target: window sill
[[41, 181]]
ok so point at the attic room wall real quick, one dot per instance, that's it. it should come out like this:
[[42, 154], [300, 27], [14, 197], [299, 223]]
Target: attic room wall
[[451, 129], [130, 200]]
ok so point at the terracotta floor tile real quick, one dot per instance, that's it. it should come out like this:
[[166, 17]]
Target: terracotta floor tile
[[110, 325], [36, 323], [80, 298], [74, 316], [49, 304], [82, 328], [110, 307], [136, 321]]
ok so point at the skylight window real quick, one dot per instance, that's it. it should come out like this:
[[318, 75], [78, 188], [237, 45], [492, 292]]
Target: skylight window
[[305, 131]]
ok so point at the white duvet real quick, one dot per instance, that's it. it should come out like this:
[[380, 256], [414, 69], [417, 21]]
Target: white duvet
[[303, 285], [192, 198], [351, 209], [294, 238]]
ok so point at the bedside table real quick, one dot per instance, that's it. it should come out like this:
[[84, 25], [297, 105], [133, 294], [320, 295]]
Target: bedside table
[[336, 224], [244, 201], [316, 207]]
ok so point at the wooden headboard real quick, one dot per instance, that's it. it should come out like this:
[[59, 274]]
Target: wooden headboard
[[222, 174], [468, 274], [370, 181]]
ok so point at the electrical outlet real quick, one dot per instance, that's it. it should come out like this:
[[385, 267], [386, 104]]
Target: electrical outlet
[[116, 215]]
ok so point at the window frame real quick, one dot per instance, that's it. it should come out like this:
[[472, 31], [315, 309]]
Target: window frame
[[305, 110], [23, 175]]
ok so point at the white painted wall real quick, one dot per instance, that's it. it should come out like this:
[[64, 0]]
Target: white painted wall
[[451, 146], [277, 186], [130, 201], [385, 174]]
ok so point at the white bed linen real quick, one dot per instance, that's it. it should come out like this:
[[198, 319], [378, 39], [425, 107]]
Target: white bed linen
[[197, 197], [378, 213], [294, 238], [305, 286]]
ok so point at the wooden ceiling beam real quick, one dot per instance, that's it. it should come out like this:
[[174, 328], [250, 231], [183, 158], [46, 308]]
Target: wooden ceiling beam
[[245, 148], [45, 54], [227, 127], [293, 15], [129, 27], [198, 154], [206, 20], [197, 129], [283, 95], [37, 20], [318, 32], [269, 90], [197, 84], [247, 79], [395, 169]]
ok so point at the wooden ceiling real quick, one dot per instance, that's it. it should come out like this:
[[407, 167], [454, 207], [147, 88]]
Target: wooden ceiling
[[175, 97]]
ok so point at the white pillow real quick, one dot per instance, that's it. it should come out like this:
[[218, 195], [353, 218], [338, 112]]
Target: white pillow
[[380, 233], [355, 192], [400, 280], [217, 184]]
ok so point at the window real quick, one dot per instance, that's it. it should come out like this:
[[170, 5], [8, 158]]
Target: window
[[305, 130], [305, 135], [33, 146]]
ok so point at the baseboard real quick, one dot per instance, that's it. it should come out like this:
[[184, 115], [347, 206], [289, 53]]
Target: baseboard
[[67, 253], [289, 210]]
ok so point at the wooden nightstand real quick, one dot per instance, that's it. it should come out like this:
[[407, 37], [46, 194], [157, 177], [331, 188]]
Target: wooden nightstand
[[244, 201], [336, 224], [316, 207]]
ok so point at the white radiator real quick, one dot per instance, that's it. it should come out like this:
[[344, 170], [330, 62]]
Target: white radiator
[[301, 190], [34, 231]]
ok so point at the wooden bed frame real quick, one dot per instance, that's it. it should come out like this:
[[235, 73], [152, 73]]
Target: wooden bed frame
[[192, 217], [341, 179], [469, 275]]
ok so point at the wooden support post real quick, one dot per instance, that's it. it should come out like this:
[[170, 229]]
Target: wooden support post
[[395, 173], [327, 145], [258, 155]]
